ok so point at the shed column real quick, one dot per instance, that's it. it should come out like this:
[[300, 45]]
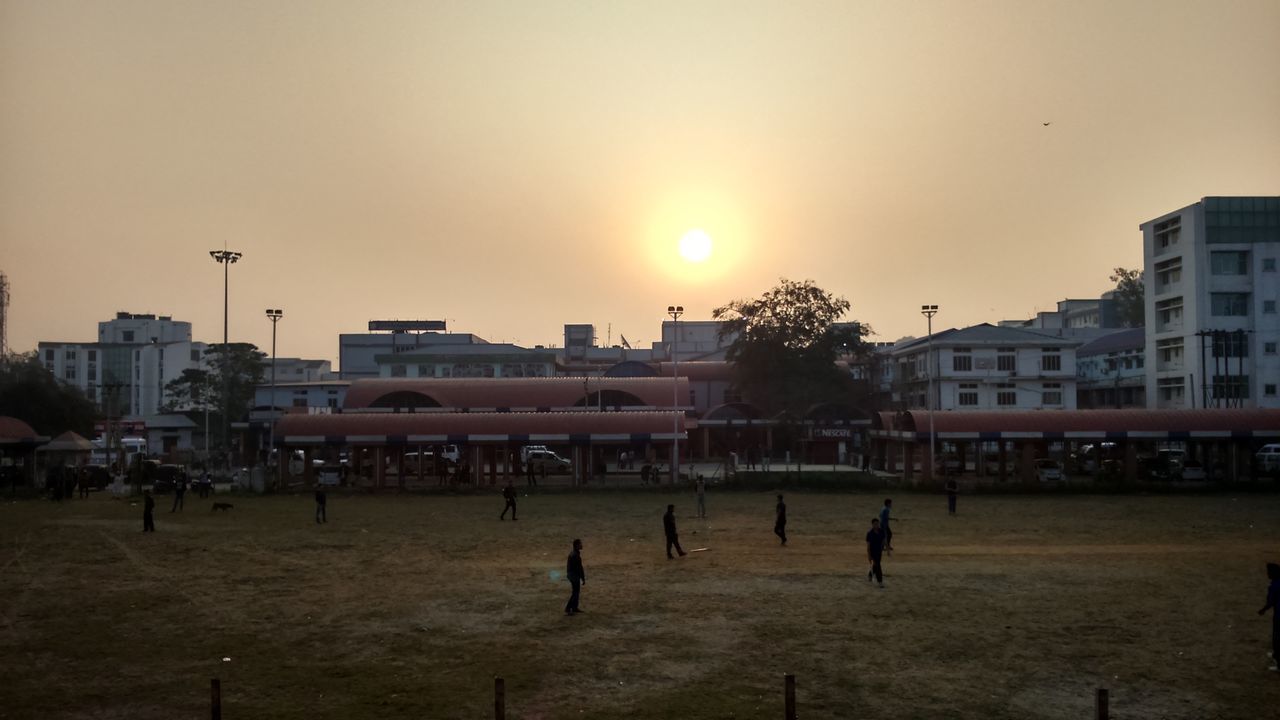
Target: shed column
[[908, 461], [308, 476], [379, 467], [1130, 460], [1003, 454], [1026, 461]]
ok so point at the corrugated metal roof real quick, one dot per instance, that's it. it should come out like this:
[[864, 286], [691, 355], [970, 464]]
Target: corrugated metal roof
[[473, 424], [548, 392], [1130, 339], [13, 430], [1065, 421], [987, 333]]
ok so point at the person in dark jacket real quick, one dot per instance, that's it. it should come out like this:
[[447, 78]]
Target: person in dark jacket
[[509, 494], [577, 578], [780, 521], [953, 489], [179, 492], [875, 549], [148, 512], [1273, 604], [322, 501], [669, 528]]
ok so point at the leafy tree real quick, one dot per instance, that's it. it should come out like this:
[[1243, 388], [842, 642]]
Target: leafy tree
[[32, 394], [1130, 295], [785, 344], [226, 387]]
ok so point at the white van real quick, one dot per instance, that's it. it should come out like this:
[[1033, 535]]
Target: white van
[[1269, 457], [528, 450]]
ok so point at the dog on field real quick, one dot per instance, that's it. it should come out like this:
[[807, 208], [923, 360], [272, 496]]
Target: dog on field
[[221, 506]]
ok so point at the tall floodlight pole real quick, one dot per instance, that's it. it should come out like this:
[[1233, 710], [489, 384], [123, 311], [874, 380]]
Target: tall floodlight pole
[[226, 258], [274, 315], [675, 311], [929, 311]]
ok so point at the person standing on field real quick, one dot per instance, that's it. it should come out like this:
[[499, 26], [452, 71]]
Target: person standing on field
[[884, 525], [669, 528], [700, 486], [1273, 604], [875, 548], [322, 501], [953, 490], [780, 520], [179, 491], [509, 494], [148, 512], [577, 578]]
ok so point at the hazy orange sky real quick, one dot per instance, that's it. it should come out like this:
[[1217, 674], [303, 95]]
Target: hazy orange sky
[[516, 166]]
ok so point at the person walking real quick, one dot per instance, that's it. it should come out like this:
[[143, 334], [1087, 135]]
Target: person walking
[[884, 525], [669, 527], [1273, 604], [322, 503], [780, 520], [179, 491], [875, 548], [530, 477], [148, 512], [700, 486], [577, 578], [953, 490], [509, 494]]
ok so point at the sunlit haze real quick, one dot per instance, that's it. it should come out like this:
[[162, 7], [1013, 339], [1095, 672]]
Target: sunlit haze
[[512, 167]]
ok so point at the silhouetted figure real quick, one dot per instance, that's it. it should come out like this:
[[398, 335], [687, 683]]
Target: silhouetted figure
[[700, 486], [179, 491], [1273, 604], [884, 525], [780, 521], [577, 578], [322, 504], [645, 471], [875, 548], [509, 494], [953, 490], [669, 527], [530, 474], [148, 512], [83, 482]]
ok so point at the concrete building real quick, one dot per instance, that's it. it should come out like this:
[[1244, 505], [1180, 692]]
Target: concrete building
[[358, 352], [1211, 293], [1074, 315], [467, 360], [1111, 371], [982, 367], [298, 370]]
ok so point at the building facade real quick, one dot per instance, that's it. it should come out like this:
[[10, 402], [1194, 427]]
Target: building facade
[[1211, 293], [1111, 371]]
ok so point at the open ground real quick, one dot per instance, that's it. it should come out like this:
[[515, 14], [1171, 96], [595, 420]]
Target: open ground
[[408, 606]]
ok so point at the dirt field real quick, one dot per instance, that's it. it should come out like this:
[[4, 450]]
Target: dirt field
[[406, 607]]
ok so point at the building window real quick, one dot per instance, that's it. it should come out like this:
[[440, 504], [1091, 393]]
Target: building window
[[299, 402], [968, 394], [1229, 262], [1168, 232], [1052, 393], [1233, 344], [91, 373], [1006, 395], [70, 373], [962, 363], [69, 355], [1269, 390], [333, 402], [398, 371], [1168, 273], [1051, 361], [1269, 348], [1268, 264], [1170, 390], [93, 356], [195, 355], [1229, 304], [1230, 387], [1169, 354], [1269, 307], [49, 355], [127, 335]]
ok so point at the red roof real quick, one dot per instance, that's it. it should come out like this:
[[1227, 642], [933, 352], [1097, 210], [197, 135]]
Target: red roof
[[699, 370], [1054, 421], [14, 430], [550, 392], [453, 423]]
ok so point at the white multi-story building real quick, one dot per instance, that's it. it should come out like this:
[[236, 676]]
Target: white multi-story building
[[982, 367], [1111, 371], [126, 370], [1211, 293], [358, 353]]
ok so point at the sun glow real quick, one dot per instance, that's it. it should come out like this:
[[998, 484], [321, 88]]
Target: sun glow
[[695, 246]]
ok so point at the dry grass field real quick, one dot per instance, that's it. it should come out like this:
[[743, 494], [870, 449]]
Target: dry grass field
[[406, 607]]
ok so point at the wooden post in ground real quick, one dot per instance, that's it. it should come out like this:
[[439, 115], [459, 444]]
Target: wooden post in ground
[[499, 699], [1103, 704], [790, 696], [215, 698]]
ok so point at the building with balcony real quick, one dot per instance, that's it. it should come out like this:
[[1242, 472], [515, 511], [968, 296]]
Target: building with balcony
[[1211, 294], [982, 367], [1111, 371]]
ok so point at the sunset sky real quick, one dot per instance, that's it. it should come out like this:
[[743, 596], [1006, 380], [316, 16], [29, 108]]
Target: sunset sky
[[515, 166]]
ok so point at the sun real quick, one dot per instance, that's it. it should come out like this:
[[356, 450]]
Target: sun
[[695, 246]]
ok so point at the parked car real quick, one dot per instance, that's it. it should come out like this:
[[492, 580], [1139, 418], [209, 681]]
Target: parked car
[[1193, 471], [1048, 470], [1269, 458], [548, 462], [528, 450]]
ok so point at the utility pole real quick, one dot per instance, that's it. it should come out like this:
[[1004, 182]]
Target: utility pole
[[274, 315], [226, 258], [675, 311], [929, 311]]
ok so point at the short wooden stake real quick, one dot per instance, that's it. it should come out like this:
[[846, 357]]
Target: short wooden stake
[[1103, 704], [499, 699], [790, 696], [215, 698]]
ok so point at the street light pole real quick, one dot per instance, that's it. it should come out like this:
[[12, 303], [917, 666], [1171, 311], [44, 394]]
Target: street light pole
[[274, 315], [929, 311], [226, 258], [675, 311]]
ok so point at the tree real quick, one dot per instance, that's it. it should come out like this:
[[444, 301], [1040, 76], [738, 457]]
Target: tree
[[32, 394], [1130, 294], [785, 345], [225, 389]]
